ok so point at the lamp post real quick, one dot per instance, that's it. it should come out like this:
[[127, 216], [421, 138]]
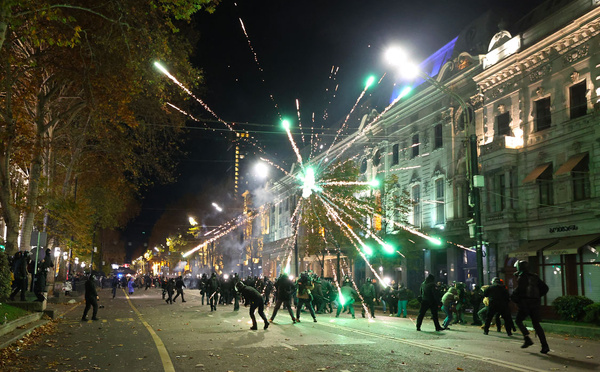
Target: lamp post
[[398, 58]]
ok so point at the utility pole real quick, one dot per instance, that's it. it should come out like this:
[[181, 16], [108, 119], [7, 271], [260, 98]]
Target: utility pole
[[476, 201]]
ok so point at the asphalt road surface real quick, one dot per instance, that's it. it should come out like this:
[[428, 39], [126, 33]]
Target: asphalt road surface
[[143, 333]]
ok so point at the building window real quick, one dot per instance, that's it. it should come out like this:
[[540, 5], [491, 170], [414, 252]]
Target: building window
[[439, 202], [577, 100], [590, 270], [498, 192], [545, 187], [416, 202], [415, 146], [581, 179], [553, 272], [438, 140], [395, 154], [363, 166], [377, 158], [503, 124], [543, 119]]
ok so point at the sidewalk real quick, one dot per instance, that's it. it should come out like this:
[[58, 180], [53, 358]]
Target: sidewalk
[[17, 329]]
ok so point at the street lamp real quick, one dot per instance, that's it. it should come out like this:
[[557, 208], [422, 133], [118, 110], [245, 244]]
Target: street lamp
[[401, 60], [217, 207], [261, 170]]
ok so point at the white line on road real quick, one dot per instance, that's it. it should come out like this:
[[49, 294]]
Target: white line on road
[[288, 346]]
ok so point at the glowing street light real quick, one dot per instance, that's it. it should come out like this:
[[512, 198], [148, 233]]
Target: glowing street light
[[192, 220], [261, 170], [217, 207]]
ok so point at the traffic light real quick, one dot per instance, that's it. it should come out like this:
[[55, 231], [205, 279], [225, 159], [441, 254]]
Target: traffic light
[[2, 247]]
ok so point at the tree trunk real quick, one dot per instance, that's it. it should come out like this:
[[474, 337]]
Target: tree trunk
[[35, 172], [10, 212], [4, 13]]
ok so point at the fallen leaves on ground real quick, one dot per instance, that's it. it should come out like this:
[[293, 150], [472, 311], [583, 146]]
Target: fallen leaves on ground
[[11, 355]]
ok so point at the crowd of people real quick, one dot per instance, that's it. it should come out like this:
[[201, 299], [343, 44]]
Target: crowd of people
[[23, 265], [490, 304]]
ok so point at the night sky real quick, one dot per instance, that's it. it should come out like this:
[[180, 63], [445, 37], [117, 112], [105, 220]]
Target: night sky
[[296, 44]]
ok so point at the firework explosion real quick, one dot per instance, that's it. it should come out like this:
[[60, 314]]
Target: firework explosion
[[315, 178]]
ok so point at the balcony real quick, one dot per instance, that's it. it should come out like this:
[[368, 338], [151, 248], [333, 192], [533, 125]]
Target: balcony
[[501, 145]]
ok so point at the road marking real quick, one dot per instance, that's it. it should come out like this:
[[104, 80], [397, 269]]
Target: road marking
[[498, 362], [124, 320], [288, 346], [160, 346]]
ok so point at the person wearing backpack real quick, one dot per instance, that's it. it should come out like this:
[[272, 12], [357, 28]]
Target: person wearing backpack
[[530, 289]]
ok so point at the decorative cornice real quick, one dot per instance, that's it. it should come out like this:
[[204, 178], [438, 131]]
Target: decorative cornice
[[572, 46]]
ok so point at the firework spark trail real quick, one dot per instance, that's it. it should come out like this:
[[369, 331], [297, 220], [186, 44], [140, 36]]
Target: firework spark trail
[[299, 157], [298, 205], [362, 94], [332, 76], [404, 227], [299, 119], [335, 217], [222, 226], [346, 183], [262, 71], [206, 107], [255, 144], [368, 126], [312, 136], [243, 220], [268, 161], [375, 237]]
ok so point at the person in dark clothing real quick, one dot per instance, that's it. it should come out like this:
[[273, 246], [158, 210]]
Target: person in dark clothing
[[91, 298], [40, 278], [530, 289], [179, 285], [170, 289], [430, 300], [148, 282], [499, 300], [20, 276], [368, 293], [476, 299], [285, 288], [253, 298], [213, 287], [115, 285], [305, 286], [403, 297], [268, 288], [236, 297]]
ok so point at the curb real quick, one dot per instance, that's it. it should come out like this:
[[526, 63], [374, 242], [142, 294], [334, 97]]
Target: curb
[[22, 334], [12, 325]]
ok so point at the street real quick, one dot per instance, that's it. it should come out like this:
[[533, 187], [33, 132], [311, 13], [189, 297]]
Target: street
[[143, 333]]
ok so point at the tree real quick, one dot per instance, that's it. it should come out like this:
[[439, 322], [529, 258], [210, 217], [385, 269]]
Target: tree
[[320, 231], [78, 91]]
